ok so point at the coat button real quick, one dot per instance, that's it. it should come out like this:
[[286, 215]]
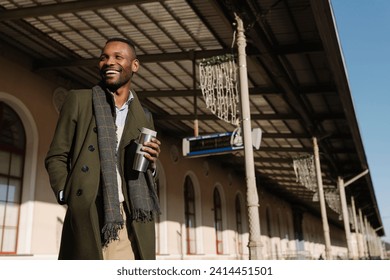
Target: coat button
[[95, 129], [91, 148], [85, 168], [79, 192]]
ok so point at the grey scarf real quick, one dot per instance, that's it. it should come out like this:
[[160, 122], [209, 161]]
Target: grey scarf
[[105, 122], [141, 188]]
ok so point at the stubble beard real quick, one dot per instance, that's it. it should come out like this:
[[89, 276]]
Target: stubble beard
[[114, 84]]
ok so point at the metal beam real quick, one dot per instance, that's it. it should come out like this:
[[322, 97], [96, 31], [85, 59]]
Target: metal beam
[[317, 89], [208, 117], [149, 58], [298, 48], [164, 57], [197, 92], [257, 90], [67, 7], [258, 117], [288, 168], [300, 136]]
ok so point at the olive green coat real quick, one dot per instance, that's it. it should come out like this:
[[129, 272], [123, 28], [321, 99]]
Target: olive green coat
[[73, 166]]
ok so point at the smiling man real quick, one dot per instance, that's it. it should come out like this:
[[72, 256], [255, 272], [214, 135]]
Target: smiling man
[[117, 64], [111, 208]]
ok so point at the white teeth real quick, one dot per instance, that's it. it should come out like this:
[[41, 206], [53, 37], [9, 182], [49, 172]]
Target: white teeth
[[111, 72]]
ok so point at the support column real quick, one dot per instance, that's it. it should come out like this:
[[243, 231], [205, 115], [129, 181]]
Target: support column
[[365, 254], [368, 238], [344, 209], [252, 196], [325, 225], [357, 231]]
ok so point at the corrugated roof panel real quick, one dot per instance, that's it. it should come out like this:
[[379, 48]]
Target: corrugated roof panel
[[72, 21], [162, 72], [47, 24], [93, 19], [261, 105], [266, 126]]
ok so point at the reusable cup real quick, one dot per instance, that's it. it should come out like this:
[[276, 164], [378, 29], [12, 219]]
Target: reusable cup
[[140, 162]]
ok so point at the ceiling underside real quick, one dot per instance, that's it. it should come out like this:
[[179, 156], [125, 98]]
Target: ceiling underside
[[298, 87]]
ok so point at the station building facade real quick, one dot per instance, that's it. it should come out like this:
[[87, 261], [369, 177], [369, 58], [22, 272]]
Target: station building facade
[[204, 211]]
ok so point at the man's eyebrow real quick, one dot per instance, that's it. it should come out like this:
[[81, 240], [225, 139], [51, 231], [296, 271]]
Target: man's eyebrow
[[116, 53]]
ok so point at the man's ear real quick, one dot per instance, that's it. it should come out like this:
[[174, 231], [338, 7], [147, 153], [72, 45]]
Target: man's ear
[[135, 65]]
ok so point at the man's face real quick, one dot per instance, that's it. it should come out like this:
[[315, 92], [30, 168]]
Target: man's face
[[117, 64]]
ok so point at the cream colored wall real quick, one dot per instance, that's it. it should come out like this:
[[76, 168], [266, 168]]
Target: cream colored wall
[[205, 180], [281, 244], [30, 96]]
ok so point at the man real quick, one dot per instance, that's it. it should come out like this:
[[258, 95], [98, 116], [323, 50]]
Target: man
[[110, 206]]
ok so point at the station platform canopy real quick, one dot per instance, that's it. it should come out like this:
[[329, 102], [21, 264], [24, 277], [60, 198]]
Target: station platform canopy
[[298, 85]]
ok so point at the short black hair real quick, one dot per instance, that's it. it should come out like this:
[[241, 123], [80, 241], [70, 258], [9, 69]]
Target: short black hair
[[129, 42]]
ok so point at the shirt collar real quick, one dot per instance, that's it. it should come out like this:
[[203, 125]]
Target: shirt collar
[[129, 99]]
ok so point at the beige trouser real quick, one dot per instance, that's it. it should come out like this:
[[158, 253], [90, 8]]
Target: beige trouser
[[120, 249]]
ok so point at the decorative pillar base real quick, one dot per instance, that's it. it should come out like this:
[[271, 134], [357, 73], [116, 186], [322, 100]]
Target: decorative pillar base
[[255, 248]]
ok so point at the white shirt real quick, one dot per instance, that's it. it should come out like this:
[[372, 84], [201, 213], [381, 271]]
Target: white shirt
[[120, 121]]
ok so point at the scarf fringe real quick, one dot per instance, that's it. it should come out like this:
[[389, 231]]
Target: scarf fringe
[[141, 215], [110, 232]]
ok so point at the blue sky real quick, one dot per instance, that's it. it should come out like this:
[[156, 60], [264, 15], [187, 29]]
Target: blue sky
[[364, 32]]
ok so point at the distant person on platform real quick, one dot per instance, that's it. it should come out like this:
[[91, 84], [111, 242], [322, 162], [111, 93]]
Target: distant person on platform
[[110, 207]]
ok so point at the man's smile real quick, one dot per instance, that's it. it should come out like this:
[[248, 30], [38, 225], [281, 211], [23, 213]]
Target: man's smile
[[110, 72]]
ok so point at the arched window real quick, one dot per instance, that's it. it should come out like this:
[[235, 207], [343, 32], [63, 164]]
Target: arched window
[[218, 221], [12, 154], [190, 218], [239, 229]]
